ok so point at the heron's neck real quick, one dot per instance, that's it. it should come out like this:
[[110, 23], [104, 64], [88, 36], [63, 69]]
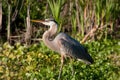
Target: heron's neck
[[47, 36]]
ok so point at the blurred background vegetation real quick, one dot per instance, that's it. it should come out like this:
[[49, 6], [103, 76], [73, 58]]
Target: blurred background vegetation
[[95, 23]]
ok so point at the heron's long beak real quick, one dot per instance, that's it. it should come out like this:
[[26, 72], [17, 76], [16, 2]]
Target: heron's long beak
[[38, 21], [41, 21]]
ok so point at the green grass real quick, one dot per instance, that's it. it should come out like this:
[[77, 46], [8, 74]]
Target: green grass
[[39, 62]]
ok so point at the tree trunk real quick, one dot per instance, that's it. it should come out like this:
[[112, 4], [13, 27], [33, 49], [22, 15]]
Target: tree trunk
[[28, 29], [0, 14], [8, 26]]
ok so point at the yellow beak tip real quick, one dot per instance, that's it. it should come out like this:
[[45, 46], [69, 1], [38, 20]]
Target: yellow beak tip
[[36, 21]]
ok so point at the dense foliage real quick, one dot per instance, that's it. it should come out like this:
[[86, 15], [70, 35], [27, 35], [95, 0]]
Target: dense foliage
[[38, 62]]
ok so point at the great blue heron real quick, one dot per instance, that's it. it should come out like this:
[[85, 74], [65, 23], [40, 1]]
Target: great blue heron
[[65, 45]]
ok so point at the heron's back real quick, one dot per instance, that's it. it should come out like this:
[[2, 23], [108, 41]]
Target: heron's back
[[73, 48]]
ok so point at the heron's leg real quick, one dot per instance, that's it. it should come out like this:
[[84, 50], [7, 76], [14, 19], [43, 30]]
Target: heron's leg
[[61, 66], [72, 68]]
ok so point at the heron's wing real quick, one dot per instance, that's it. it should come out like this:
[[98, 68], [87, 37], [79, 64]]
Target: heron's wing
[[74, 49], [67, 38]]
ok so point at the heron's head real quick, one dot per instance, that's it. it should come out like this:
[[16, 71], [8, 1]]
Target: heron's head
[[48, 22]]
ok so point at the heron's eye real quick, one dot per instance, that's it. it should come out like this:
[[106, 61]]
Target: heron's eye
[[47, 21]]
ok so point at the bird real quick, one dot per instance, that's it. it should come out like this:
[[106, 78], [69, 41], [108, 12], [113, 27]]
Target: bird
[[63, 44]]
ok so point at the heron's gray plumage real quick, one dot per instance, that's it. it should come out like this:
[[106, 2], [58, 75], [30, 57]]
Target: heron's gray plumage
[[73, 48]]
